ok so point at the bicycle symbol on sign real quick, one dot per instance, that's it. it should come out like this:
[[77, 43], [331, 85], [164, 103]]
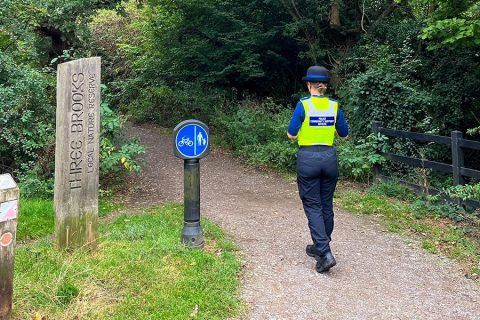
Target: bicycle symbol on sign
[[185, 141]]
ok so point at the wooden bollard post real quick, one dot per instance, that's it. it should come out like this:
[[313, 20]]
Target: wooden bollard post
[[77, 150], [457, 158], [377, 169], [9, 197]]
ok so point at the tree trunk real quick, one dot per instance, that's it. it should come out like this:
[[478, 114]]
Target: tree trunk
[[292, 9], [335, 14]]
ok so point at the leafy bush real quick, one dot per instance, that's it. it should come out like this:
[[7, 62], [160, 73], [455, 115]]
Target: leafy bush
[[114, 160], [438, 208], [279, 154], [35, 183], [356, 160], [220, 43], [454, 32], [383, 95], [113, 32], [26, 115], [168, 106], [466, 192], [259, 135], [117, 154], [32, 33]]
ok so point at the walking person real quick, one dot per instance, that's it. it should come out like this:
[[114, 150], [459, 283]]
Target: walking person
[[315, 121]]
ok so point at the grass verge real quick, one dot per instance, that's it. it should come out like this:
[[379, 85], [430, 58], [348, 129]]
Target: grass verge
[[402, 214], [37, 219], [140, 271]]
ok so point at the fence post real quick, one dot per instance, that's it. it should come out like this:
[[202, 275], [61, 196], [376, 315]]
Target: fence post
[[457, 158], [377, 169], [9, 197]]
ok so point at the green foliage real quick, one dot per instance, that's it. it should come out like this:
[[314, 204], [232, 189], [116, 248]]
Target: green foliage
[[453, 24], [429, 246], [259, 136], [437, 208], [392, 190], [5, 39], [405, 84], [26, 115], [390, 78], [381, 68], [117, 159], [168, 106], [34, 37], [218, 42], [455, 99], [453, 32], [117, 154], [41, 30], [356, 159], [35, 183], [465, 192], [113, 32], [383, 95], [278, 154], [166, 61], [474, 131]]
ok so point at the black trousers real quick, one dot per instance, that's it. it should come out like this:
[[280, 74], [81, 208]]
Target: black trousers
[[317, 175]]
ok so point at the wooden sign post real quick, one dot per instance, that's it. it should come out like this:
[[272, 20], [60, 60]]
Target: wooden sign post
[[77, 153], [9, 196]]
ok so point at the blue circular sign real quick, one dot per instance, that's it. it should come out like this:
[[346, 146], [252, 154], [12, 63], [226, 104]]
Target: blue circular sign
[[191, 140]]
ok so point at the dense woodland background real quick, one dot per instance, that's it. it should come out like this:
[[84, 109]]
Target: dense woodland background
[[237, 65]]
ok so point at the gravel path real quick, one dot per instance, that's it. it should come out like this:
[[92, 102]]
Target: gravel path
[[378, 275]]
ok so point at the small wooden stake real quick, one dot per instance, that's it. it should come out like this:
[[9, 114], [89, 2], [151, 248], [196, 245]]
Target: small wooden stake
[[9, 196]]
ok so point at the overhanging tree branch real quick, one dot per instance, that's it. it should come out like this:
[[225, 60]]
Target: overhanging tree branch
[[292, 9], [386, 12]]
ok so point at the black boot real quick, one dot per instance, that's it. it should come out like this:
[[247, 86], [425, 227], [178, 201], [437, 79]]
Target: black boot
[[312, 252], [325, 263]]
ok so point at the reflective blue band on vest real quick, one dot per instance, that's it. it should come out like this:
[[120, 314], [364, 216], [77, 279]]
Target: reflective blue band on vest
[[322, 121]]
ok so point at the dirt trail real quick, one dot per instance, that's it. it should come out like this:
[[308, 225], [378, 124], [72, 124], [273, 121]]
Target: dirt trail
[[378, 275]]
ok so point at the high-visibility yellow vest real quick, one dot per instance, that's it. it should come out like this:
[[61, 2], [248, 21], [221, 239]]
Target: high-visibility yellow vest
[[318, 128]]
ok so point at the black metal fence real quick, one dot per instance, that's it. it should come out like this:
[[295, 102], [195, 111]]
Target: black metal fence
[[457, 168]]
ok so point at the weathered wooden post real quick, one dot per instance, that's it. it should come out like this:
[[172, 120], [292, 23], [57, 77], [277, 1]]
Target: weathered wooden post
[[457, 158], [377, 169], [9, 196], [77, 153]]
